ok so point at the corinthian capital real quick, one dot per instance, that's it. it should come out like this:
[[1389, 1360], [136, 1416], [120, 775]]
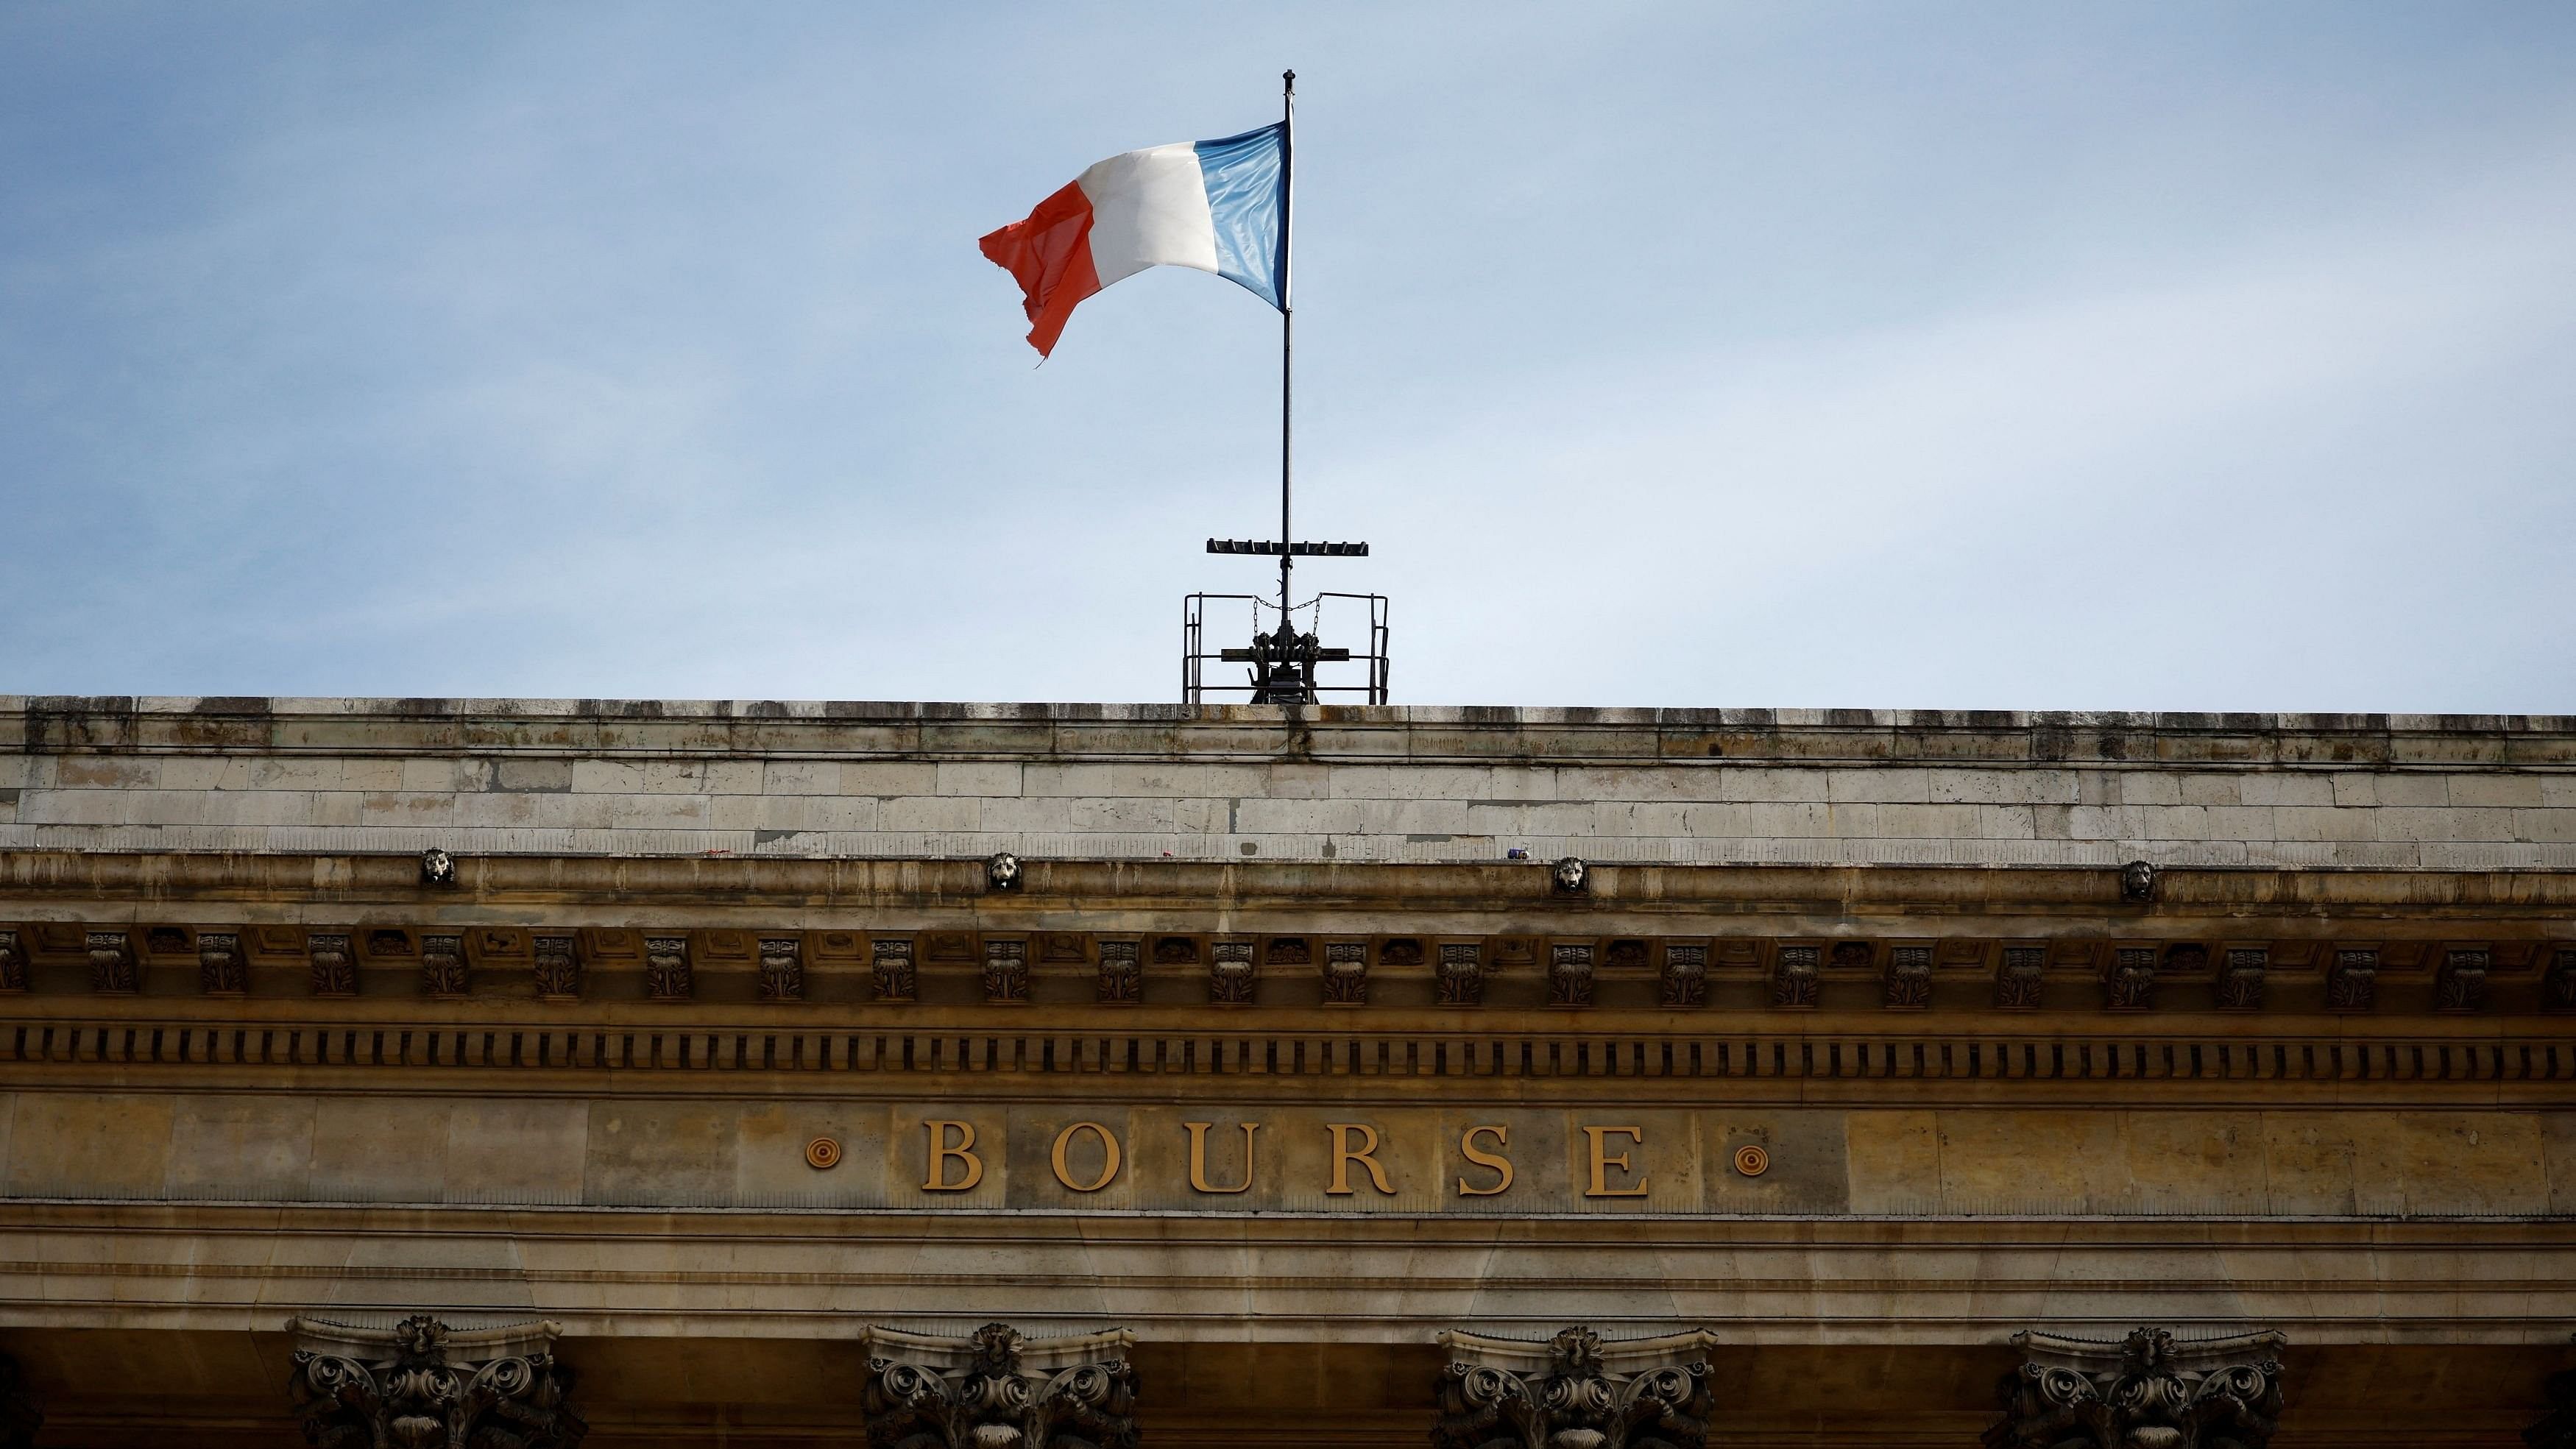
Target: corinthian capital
[[994, 1389], [1573, 1392], [2151, 1390], [422, 1383]]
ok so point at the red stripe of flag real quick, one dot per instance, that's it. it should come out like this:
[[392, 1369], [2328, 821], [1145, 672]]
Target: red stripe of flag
[[1050, 256]]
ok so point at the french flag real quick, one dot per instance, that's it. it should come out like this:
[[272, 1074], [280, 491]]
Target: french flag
[[1220, 206]]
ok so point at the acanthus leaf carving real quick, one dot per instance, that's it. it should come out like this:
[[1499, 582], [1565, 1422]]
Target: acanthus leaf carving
[[669, 975], [1346, 973], [221, 968], [782, 968], [558, 968], [1909, 978], [1461, 979], [424, 1385], [1006, 971], [2023, 982], [1569, 974], [1796, 981], [1122, 973], [1574, 1392], [1230, 973], [111, 963], [892, 974], [2149, 1391], [997, 1390], [2352, 983], [1685, 978], [2462, 984]]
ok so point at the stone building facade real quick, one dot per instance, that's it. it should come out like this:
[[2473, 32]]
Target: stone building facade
[[518, 1074]]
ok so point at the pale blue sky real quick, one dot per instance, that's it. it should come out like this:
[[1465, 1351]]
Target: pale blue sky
[[2181, 356]]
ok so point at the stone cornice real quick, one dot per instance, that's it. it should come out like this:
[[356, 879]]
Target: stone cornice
[[1419, 733]]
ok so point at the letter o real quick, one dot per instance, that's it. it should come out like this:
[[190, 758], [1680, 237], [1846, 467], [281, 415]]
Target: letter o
[[1108, 1157]]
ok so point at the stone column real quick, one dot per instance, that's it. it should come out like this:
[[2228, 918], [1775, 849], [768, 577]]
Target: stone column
[[20, 1415], [996, 1390], [1573, 1392], [2148, 1391], [424, 1385], [2557, 1428]]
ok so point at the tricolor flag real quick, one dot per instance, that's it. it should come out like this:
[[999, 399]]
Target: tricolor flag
[[1220, 206]]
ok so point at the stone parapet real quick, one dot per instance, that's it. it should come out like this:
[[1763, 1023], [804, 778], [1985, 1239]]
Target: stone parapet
[[1257, 782]]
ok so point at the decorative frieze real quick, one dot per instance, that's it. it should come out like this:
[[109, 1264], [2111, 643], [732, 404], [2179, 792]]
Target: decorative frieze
[[996, 1390], [2462, 984], [424, 1385], [1122, 973], [1230, 973], [1461, 981], [669, 975], [892, 976], [2130, 984], [1909, 978], [444, 973], [1685, 978], [1006, 972], [782, 968], [1573, 1392], [111, 963], [1796, 979], [2240, 979], [13, 964], [334, 969], [1569, 974], [558, 968], [2148, 1391], [1346, 973], [2352, 982]]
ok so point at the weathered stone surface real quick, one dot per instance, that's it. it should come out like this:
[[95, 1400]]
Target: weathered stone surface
[[1405, 783]]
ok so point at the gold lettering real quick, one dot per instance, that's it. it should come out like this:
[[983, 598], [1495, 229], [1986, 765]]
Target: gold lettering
[[1602, 1162], [1344, 1155], [1467, 1148], [1198, 1158], [1108, 1157], [940, 1152]]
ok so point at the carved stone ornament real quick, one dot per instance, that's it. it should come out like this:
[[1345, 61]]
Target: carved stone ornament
[[2557, 1428], [1461, 979], [1288, 951], [13, 964], [1346, 973], [111, 963], [437, 868], [891, 973], [2462, 984], [782, 968], [1122, 973], [2023, 982], [1402, 951], [334, 968], [1909, 978], [1570, 876], [1569, 974], [1573, 1392], [20, 1414], [2137, 882], [669, 975], [1685, 978], [2240, 978], [2150, 1391], [997, 1390], [221, 968], [1006, 971], [2131, 986], [1795, 979], [2558, 988], [1002, 871], [2352, 982], [443, 971], [424, 1385], [558, 969], [1230, 973]]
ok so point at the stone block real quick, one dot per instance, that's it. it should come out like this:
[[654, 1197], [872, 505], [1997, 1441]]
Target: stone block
[[2411, 787], [2494, 789], [89, 1144], [976, 777], [1879, 786], [523, 1151], [2407, 823], [664, 1153], [2148, 787], [379, 1149], [2284, 788], [607, 777], [1760, 785], [2209, 790], [887, 779], [255, 1149], [552, 776]]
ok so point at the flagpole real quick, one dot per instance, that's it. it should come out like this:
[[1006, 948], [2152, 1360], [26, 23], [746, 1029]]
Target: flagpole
[[1287, 317]]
